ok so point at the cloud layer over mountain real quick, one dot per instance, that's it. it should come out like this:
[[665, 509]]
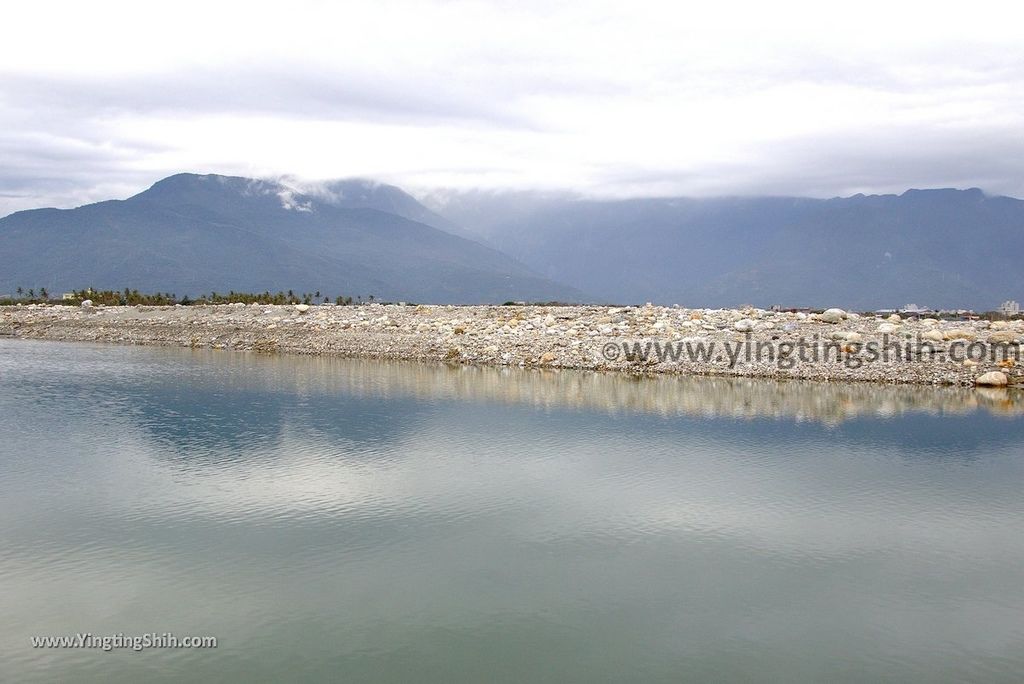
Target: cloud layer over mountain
[[613, 99]]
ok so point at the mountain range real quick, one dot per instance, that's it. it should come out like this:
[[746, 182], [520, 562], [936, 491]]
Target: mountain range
[[941, 248], [191, 234]]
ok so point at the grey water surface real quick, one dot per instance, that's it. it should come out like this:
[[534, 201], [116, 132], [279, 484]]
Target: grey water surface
[[344, 520]]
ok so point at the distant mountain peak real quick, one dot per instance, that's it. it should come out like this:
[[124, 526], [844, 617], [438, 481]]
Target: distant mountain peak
[[951, 193], [191, 233], [298, 195], [188, 180], [190, 188]]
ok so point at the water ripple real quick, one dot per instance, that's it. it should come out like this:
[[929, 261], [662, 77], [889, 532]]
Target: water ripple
[[394, 521]]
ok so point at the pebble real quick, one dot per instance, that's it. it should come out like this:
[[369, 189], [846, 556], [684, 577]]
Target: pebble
[[992, 379], [1003, 336], [833, 315], [563, 336]]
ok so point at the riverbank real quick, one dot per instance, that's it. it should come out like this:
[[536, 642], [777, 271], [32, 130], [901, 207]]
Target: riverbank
[[834, 346]]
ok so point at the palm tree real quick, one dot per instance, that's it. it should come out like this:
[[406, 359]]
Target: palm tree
[[44, 294], [20, 292]]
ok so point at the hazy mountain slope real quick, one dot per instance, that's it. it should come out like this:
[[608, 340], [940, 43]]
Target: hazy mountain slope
[[368, 194], [943, 248], [192, 234]]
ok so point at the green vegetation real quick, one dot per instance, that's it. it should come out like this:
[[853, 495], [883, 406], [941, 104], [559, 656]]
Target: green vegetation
[[130, 297]]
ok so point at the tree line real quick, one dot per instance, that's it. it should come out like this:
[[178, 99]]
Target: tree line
[[131, 297]]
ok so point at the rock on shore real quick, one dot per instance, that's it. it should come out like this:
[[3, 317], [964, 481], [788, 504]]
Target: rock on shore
[[583, 337]]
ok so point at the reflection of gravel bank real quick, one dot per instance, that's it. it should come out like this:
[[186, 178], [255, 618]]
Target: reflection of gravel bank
[[553, 337], [617, 393]]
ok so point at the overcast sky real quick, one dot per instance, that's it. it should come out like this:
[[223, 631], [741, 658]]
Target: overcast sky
[[100, 99]]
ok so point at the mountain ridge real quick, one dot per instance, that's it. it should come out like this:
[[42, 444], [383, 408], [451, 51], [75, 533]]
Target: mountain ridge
[[191, 233], [944, 247]]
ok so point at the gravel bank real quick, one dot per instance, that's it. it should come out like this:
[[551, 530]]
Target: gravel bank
[[834, 346]]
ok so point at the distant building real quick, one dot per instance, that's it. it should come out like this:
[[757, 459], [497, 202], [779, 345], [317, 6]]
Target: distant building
[[1009, 308], [914, 310], [960, 314], [68, 296]]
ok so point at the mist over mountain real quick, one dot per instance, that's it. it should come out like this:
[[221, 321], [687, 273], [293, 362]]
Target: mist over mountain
[[360, 193], [940, 248], [191, 234]]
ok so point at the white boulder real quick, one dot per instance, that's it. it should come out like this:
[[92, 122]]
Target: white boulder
[[833, 315], [992, 379]]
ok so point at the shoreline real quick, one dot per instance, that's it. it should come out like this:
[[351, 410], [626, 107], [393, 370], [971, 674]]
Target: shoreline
[[729, 342]]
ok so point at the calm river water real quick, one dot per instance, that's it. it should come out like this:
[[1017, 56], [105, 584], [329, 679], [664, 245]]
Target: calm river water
[[340, 520]]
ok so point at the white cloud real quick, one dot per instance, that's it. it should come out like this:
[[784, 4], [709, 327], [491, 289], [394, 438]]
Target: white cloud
[[612, 99]]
